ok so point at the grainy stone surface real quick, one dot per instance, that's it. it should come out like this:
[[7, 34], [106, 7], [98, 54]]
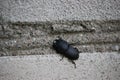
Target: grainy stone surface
[[36, 38], [96, 66], [28, 27], [50, 10]]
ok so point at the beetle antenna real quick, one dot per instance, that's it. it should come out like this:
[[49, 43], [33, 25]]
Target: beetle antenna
[[59, 37]]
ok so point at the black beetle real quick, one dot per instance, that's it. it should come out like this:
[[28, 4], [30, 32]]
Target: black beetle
[[61, 46]]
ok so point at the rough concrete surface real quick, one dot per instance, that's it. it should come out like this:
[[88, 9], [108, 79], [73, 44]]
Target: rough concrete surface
[[28, 28], [36, 38], [50, 10], [96, 66]]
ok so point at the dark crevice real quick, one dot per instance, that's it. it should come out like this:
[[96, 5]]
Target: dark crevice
[[50, 46]]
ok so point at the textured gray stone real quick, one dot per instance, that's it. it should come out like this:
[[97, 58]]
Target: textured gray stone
[[28, 27], [50, 10], [97, 66], [24, 38]]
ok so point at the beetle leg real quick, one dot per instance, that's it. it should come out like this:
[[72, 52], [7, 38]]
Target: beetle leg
[[62, 58], [73, 63], [3, 29]]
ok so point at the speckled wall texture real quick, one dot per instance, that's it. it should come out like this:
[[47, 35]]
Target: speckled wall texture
[[28, 28], [49, 10]]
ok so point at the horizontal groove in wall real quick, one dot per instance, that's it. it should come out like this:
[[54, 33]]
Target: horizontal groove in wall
[[49, 50], [78, 39], [25, 29], [22, 37]]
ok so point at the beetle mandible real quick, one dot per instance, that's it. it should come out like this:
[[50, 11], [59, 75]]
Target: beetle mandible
[[63, 47]]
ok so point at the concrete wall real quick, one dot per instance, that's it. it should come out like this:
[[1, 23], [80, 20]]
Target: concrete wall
[[37, 38], [28, 27], [50, 10], [95, 66]]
